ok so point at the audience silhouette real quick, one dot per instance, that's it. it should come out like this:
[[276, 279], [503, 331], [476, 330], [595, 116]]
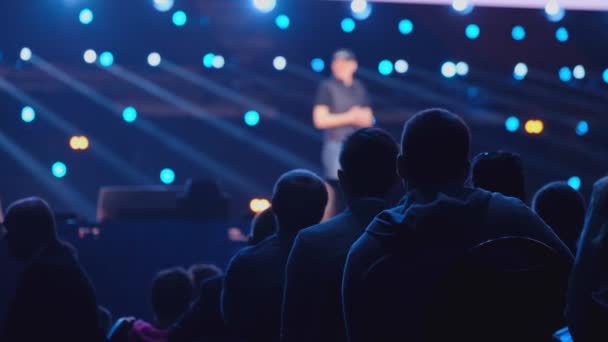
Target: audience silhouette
[[393, 270], [563, 209], [312, 309], [588, 282], [501, 172], [55, 300], [253, 288], [263, 225]]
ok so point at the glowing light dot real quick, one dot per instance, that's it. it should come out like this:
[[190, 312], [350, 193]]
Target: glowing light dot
[[462, 68], [520, 71], [406, 26], [385, 67], [79, 143], [582, 128], [257, 205], [317, 64], [163, 5], [179, 18], [264, 6], [401, 66], [562, 35], [574, 182], [534, 126], [25, 54], [129, 114], [28, 114], [512, 124], [59, 169], [218, 61], [90, 56], [154, 59], [86, 16], [579, 72], [251, 118], [565, 74], [472, 31], [208, 60], [106, 59], [347, 25], [518, 32], [279, 63], [282, 21], [167, 176], [448, 69]]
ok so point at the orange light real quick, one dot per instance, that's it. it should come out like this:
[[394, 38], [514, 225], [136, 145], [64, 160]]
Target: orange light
[[534, 126], [257, 205], [79, 142]]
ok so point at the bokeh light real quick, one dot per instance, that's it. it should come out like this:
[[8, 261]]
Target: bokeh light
[[106, 59], [472, 31], [462, 68], [582, 128], [554, 11], [565, 74], [28, 114], [208, 60], [317, 65], [562, 35], [534, 126], [282, 21], [348, 25], [360, 9], [167, 176], [512, 124], [406, 26], [579, 72], [279, 63], [59, 169], [218, 61], [401, 66], [90, 56], [251, 118], [25, 54], [163, 5], [575, 182], [462, 6], [179, 18], [605, 75], [86, 16], [79, 142], [154, 59], [258, 205], [129, 114], [520, 71], [518, 32], [265, 6], [448, 69], [385, 67]]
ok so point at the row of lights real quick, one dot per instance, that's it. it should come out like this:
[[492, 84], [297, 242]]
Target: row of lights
[[553, 11], [59, 169], [535, 126]]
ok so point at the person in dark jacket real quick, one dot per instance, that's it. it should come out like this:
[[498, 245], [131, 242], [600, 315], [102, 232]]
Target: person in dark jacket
[[392, 271], [54, 300], [253, 287], [312, 306]]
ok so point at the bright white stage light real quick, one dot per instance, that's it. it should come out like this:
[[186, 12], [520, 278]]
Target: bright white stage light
[[154, 59], [279, 63], [90, 56], [25, 54]]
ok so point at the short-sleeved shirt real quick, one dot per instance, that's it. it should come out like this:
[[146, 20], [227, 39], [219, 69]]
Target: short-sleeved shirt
[[341, 98]]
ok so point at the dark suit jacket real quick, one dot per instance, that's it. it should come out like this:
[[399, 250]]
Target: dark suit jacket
[[393, 270], [312, 305], [253, 289], [203, 321], [54, 301]]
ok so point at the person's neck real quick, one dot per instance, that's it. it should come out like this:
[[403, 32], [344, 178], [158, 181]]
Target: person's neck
[[347, 81]]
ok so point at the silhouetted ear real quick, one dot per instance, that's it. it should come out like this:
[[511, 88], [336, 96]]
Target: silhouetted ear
[[402, 166]]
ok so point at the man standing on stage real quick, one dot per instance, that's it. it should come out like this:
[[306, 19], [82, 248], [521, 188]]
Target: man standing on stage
[[342, 105]]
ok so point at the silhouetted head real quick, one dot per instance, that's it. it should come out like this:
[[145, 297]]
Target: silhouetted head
[[434, 149], [263, 225], [368, 164], [30, 227], [201, 272], [299, 199], [344, 65], [171, 295], [563, 209], [501, 172]]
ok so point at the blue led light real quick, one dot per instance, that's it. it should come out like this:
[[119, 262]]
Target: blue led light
[[518, 32], [180, 18], [129, 114], [565, 74], [406, 26], [251, 118], [562, 35], [582, 128], [86, 16], [472, 31], [59, 169], [385, 67], [348, 25], [512, 124], [574, 182], [317, 64], [167, 176], [282, 21], [106, 59], [28, 114]]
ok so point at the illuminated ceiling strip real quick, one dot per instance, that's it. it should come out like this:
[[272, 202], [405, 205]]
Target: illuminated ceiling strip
[[588, 5]]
